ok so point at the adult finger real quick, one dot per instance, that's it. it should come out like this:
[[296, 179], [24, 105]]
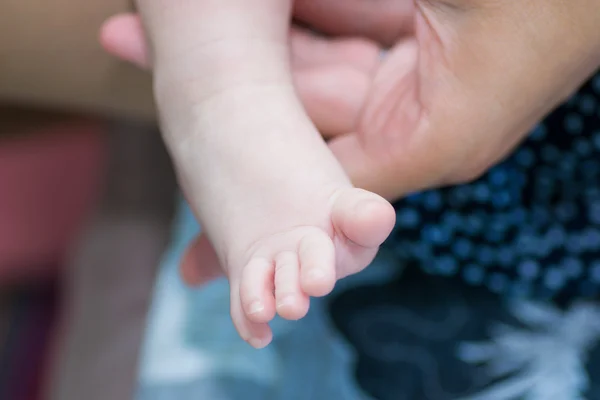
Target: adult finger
[[333, 97], [483, 85], [381, 20], [200, 264], [309, 50], [123, 37], [332, 76]]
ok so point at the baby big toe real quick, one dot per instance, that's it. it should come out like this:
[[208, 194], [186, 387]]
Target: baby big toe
[[364, 218]]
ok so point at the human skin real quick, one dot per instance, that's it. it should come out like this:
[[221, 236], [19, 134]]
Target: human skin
[[44, 59], [236, 130], [478, 75], [488, 71]]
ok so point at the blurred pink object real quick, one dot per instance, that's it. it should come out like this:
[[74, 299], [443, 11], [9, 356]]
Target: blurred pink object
[[49, 181]]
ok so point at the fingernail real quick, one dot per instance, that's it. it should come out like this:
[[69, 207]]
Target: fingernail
[[256, 307]]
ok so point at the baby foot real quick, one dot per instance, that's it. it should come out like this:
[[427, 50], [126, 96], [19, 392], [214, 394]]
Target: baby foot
[[285, 220], [281, 271]]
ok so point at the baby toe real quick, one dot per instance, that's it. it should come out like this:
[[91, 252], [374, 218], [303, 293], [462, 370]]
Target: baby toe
[[258, 335], [364, 218], [316, 255], [291, 301], [256, 290]]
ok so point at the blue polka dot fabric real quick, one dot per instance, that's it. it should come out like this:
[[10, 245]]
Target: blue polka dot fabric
[[531, 225]]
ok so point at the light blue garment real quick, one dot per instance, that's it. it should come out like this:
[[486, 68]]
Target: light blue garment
[[192, 350]]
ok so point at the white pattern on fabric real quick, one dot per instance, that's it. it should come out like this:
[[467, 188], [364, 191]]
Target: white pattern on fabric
[[543, 361]]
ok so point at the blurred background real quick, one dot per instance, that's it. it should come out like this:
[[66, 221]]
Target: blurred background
[[85, 208]]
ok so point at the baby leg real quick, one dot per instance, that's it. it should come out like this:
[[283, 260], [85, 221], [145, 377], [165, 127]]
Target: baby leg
[[284, 219]]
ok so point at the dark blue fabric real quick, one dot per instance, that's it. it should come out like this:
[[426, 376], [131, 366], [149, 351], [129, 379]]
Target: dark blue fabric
[[529, 228]]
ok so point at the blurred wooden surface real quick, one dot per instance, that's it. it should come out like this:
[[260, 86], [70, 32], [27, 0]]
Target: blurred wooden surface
[[50, 56]]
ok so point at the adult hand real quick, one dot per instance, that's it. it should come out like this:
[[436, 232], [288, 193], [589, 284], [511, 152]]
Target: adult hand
[[462, 83]]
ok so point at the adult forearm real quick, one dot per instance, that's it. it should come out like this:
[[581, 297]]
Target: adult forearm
[[50, 56]]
